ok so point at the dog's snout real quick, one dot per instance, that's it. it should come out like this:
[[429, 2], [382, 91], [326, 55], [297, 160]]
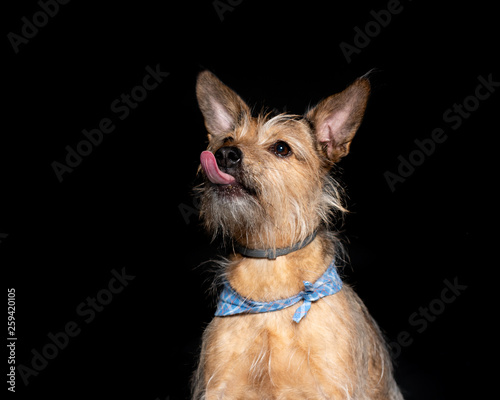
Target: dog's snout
[[228, 158]]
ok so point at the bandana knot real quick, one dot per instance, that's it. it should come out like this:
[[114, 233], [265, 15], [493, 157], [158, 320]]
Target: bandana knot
[[231, 302]]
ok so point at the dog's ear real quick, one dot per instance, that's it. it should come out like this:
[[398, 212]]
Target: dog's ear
[[221, 107], [336, 119]]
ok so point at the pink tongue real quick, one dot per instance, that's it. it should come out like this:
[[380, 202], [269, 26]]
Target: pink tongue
[[209, 165]]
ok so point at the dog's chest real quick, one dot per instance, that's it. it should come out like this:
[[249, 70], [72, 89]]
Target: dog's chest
[[270, 353]]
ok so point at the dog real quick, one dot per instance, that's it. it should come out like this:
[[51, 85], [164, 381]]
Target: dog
[[286, 327]]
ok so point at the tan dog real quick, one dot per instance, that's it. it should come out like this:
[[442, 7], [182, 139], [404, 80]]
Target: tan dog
[[268, 190]]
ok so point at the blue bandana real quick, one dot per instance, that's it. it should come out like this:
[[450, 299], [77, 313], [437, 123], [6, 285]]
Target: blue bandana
[[230, 302]]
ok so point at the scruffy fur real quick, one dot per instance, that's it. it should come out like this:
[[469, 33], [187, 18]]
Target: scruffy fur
[[277, 200]]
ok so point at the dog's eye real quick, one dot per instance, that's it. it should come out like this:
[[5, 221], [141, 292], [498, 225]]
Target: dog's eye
[[281, 149]]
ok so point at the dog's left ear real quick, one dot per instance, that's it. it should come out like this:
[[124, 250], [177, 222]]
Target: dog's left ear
[[337, 118]]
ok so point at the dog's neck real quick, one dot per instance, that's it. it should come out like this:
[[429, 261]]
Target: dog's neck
[[263, 279]]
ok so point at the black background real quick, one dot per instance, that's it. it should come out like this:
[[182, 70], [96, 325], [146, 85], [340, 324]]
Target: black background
[[121, 206]]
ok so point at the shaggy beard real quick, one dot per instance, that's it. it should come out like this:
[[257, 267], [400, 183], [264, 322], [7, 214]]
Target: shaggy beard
[[255, 222], [232, 217]]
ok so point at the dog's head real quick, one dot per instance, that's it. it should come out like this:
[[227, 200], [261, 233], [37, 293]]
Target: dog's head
[[267, 181]]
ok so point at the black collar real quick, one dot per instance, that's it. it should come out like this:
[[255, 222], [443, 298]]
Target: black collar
[[271, 254]]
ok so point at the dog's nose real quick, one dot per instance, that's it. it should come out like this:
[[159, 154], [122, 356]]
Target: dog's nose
[[228, 158]]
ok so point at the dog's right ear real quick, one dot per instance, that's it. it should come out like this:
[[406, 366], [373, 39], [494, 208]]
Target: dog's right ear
[[221, 107]]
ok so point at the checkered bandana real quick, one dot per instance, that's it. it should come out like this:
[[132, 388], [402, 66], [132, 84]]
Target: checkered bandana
[[230, 302]]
